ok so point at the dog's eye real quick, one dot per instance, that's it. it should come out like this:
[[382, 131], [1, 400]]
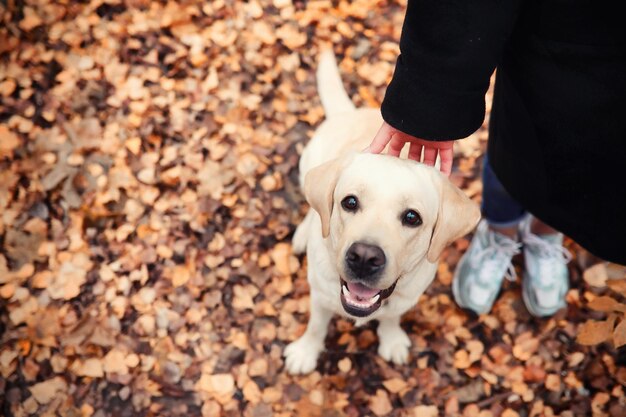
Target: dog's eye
[[350, 203], [411, 218]]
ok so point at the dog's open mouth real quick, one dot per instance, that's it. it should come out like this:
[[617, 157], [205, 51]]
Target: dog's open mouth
[[360, 300]]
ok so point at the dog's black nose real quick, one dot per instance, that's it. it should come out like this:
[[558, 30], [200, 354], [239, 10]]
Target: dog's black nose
[[365, 260]]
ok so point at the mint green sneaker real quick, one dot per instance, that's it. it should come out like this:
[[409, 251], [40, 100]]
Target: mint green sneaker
[[481, 271], [546, 278]]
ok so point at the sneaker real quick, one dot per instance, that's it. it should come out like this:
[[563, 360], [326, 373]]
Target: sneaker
[[481, 271], [546, 278]]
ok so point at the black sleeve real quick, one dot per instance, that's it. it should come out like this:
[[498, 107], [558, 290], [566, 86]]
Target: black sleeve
[[449, 49]]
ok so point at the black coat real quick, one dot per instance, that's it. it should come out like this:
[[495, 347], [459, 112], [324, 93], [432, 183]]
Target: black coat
[[557, 134]]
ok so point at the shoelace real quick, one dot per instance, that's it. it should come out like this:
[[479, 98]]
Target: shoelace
[[549, 254], [494, 255]]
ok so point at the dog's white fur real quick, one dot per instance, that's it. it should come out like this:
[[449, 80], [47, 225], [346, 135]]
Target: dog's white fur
[[386, 186]]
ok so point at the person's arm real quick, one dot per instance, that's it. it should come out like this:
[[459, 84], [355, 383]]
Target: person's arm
[[449, 49]]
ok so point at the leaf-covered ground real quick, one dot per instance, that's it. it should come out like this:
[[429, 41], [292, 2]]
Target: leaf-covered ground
[[148, 194]]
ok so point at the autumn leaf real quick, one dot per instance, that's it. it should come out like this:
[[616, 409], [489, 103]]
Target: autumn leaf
[[379, 403], [45, 391], [395, 385], [594, 332], [619, 334], [617, 285], [606, 304], [596, 276], [9, 141]]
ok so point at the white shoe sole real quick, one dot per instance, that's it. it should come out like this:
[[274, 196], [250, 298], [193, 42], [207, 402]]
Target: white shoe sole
[[536, 310]]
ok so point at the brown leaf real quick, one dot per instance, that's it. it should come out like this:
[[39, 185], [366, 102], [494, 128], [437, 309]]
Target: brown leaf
[[30, 20], [426, 411], [115, 362], [525, 346], [243, 297], [71, 276], [291, 37], [596, 276], [281, 255], [606, 304], [91, 367], [7, 87], [619, 334], [617, 285], [594, 332], [221, 386], [9, 141], [461, 359], [553, 382], [46, 391], [345, 365], [395, 385], [380, 404]]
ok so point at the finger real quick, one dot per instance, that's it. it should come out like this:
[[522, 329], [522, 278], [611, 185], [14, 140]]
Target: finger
[[446, 156], [396, 145], [415, 151], [430, 155], [381, 139]]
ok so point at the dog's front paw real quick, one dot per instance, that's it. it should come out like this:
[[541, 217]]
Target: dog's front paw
[[301, 356], [394, 347]]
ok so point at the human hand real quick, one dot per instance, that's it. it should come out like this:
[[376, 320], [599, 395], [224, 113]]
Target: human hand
[[397, 139]]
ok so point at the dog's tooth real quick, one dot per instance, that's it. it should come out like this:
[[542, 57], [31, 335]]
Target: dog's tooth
[[375, 298], [345, 290]]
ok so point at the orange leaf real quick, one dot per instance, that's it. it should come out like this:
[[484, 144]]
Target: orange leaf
[[617, 285], [604, 304], [619, 334], [596, 275], [594, 332]]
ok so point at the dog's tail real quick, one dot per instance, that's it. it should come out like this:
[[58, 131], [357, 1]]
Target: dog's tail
[[334, 98]]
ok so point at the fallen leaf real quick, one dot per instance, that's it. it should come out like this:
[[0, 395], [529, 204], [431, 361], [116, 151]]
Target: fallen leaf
[[596, 276], [44, 392], [115, 362], [380, 404], [92, 367], [395, 385], [9, 141], [617, 285], [619, 334], [425, 411], [594, 332], [606, 304]]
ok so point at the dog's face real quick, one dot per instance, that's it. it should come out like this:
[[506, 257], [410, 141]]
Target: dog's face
[[383, 216]]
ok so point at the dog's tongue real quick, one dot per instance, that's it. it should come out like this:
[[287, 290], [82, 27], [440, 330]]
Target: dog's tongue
[[361, 291]]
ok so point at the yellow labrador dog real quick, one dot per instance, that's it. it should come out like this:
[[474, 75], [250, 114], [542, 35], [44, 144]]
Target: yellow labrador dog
[[378, 226]]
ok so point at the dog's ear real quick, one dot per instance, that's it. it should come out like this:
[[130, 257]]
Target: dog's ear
[[319, 187], [457, 216]]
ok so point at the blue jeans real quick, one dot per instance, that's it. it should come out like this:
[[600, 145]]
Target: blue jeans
[[499, 208]]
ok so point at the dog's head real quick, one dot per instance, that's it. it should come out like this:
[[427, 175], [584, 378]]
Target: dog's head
[[384, 216]]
